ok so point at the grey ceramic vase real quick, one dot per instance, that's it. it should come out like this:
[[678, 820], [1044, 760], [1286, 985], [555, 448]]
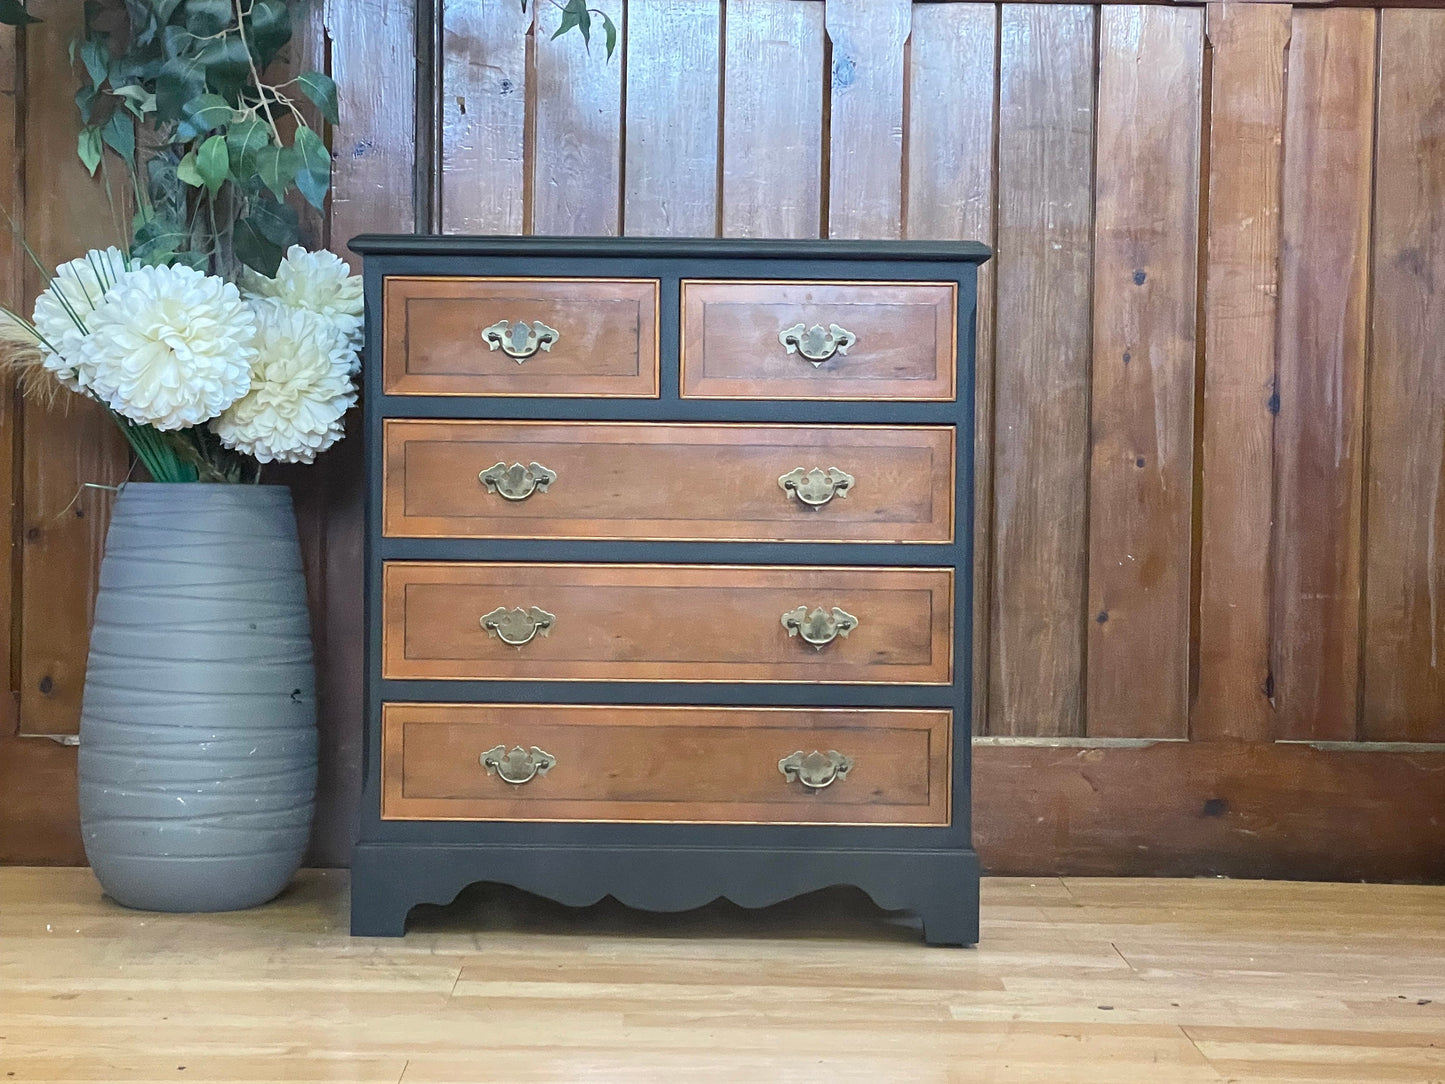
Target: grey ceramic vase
[[198, 728]]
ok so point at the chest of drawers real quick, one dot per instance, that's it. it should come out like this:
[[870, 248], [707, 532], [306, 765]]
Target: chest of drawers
[[668, 573]]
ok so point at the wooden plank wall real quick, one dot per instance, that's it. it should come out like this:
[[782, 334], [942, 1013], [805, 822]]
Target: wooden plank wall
[[1211, 386], [1173, 396]]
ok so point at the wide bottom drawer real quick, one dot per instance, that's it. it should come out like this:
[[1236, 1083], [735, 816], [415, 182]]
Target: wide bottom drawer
[[529, 762]]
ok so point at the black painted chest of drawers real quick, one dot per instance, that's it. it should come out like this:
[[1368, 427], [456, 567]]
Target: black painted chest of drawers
[[668, 573]]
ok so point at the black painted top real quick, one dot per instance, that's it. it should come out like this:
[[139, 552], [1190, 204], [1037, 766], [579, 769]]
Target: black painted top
[[703, 248]]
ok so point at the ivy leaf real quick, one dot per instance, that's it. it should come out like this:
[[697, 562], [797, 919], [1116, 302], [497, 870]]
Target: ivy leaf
[[179, 82], [85, 101], [227, 63], [203, 113], [176, 41], [277, 222], [158, 240], [213, 163], [164, 9], [207, 17], [611, 29], [119, 135], [243, 140], [575, 14], [198, 261], [253, 249], [268, 29], [139, 66], [96, 58], [89, 148], [187, 171], [143, 25], [137, 99], [167, 193], [313, 169], [276, 166], [13, 13], [321, 89]]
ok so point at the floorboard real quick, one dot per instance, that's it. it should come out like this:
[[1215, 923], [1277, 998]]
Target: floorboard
[[1076, 980]]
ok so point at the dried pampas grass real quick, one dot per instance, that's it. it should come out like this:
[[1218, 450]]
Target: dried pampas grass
[[21, 358]]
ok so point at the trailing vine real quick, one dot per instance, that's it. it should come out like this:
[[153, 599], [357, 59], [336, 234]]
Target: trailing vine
[[178, 91]]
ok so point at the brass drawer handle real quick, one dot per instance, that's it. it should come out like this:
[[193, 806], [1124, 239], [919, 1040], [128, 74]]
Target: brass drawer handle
[[517, 483], [518, 341], [816, 487], [518, 766], [519, 626], [814, 770], [815, 343], [819, 627]]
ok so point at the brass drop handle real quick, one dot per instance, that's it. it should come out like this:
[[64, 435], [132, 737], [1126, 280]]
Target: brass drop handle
[[517, 483], [816, 487], [518, 626], [519, 766], [815, 770], [819, 627], [816, 343], [519, 341]]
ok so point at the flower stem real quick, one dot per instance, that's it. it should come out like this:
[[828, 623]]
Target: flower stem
[[155, 454]]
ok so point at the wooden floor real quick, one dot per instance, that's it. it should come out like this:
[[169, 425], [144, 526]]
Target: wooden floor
[[1076, 980]]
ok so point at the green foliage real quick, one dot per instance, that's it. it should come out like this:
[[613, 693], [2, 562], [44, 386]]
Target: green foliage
[[179, 95], [576, 15], [13, 13]]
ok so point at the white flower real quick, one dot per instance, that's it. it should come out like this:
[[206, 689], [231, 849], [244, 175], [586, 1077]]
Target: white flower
[[300, 388], [75, 292], [318, 282], [170, 347]]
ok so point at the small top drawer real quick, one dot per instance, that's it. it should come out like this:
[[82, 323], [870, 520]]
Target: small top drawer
[[818, 340], [520, 336]]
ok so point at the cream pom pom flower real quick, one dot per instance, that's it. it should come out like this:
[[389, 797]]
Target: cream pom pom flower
[[318, 282], [300, 388], [170, 347], [64, 308]]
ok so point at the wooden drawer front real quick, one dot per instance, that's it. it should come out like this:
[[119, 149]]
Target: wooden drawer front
[[606, 341], [665, 623], [687, 482], [904, 347], [664, 764]]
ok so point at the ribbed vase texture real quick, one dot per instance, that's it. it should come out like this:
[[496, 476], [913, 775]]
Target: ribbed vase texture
[[198, 729]]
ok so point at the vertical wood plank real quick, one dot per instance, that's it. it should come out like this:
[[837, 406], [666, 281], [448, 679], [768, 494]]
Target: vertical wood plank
[[952, 102], [1246, 134], [1146, 233], [11, 279], [373, 157], [576, 178], [307, 51], [1041, 383], [1404, 664], [773, 119], [1324, 273], [483, 114], [373, 149], [63, 524], [672, 118], [865, 189]]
